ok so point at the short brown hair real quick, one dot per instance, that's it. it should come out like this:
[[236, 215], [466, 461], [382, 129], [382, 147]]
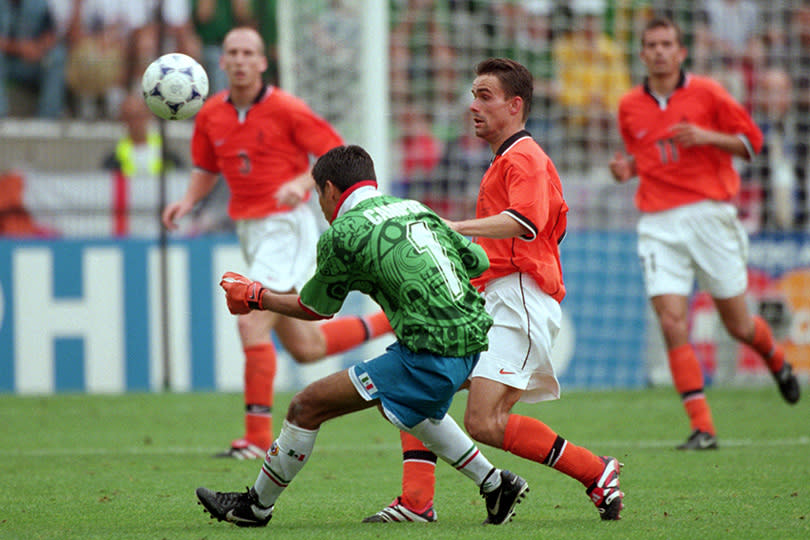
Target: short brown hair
[[662, 22], [515, 79]]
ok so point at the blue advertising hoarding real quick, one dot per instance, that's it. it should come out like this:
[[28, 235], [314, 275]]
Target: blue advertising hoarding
[[87, 316]]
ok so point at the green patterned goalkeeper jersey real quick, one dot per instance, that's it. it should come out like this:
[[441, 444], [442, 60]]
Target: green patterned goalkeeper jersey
[[413, 265]]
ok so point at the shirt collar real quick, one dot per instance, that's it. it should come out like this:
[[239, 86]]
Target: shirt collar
[[354, 195], [512, 140], [264, 90], [682, 80]]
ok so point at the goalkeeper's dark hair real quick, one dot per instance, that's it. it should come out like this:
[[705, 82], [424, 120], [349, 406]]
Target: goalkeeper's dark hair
[[515, 79], [344, 166]]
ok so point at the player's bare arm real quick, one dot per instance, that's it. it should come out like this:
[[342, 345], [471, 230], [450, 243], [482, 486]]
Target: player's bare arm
[[497, 226], [687, 135], [244, 295], [622, 167], [293, 192], [201, 184]]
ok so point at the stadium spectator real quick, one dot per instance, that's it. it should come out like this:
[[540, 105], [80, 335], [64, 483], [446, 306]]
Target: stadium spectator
[[625, 19], [423, 79], [260, 139], [454, 184], [265, 14], [520, 219], [730, 30], [422, 58], [465, 159], [334, 32], [773, 34], [212, 19], [409, 261], [781, 166], [97, 57], [731, 45], [136, 164], [145, 23], [799, 57], [138, 152], [592, 74], [15, 218], [681, 131], [32, 55], [521, 30], [418, 150]]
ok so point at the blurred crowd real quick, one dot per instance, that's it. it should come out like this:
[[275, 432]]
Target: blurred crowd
[[584, 56], [82, 58]]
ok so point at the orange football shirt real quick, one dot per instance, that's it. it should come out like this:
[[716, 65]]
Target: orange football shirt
[[259, 149], [671, 175], [523, 182]]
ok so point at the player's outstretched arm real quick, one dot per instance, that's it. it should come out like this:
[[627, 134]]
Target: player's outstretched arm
[[622, 167], [244, 295], [200, 185], [292, 193], [688, 135], [497, 226]]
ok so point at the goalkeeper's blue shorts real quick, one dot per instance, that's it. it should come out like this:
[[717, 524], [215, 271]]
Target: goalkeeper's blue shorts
[[411, 386]]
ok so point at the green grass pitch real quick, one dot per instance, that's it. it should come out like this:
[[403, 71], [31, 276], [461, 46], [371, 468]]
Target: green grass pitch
[[118, 467]]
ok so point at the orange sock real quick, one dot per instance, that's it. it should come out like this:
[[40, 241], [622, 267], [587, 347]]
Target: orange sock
[[700, 415], [418, 473], [344, 333], [377, 324], [688, 380], [762, 341], [531, 439], [260, 371]]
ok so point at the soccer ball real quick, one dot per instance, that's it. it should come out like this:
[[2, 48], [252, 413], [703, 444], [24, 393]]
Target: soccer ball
[[174, 86]]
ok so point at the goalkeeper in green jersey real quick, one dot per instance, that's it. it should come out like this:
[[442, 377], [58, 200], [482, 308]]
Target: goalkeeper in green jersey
[[409, 261]]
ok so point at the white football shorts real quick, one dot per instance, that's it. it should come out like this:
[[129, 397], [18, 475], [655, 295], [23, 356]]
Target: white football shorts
[[280, 249], [526, 322], [703, 241]]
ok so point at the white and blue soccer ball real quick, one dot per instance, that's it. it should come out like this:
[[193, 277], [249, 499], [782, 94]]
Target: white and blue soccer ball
[[175, 86]]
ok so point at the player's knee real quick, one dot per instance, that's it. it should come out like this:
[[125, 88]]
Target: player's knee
[[253, 328], [483, 428], [244, 326], [304, 353], [303, 411], [674, 329], [740, 330]]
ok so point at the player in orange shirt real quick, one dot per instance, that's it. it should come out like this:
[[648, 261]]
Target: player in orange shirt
[[520, 220], [681, 131], [260, 139]]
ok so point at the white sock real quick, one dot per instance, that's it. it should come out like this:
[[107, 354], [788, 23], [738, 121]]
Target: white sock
[[288, 454], [449, 442]]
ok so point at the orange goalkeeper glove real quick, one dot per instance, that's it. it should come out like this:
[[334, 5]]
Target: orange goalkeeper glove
[[241, 293]]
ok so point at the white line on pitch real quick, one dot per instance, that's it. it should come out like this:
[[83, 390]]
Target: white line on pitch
[[157, 450]]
